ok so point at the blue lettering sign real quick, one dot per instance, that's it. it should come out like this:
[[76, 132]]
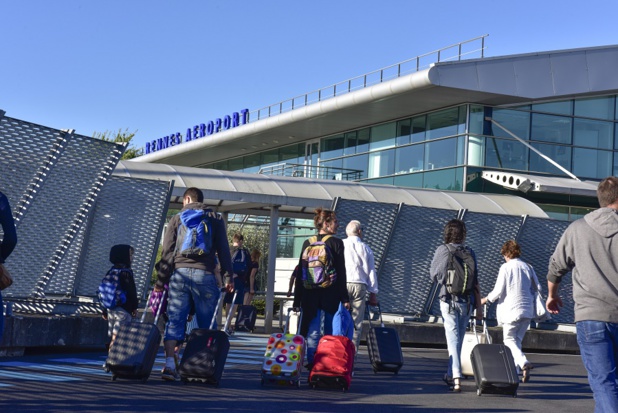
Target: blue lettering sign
[[188, 136], [235, 119], [202, 130], [217, 125], [227, 122], [245, 116], [210, 129]]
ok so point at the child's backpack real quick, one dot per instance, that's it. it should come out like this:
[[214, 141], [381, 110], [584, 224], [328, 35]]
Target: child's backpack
[[194, 236], [461, 271], [110, 293], [240, 261], [317, 264]]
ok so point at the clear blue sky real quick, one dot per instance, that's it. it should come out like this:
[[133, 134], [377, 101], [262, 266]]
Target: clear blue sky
[[158, 67]]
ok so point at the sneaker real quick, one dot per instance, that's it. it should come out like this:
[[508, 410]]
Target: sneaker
[[169, 374]]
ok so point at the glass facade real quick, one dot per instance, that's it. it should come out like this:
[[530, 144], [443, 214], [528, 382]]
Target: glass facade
[[440, 149]]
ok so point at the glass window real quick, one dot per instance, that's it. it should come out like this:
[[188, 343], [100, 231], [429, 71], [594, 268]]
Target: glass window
[[600, 108], [332, 147], [446, 179], [362, 140], [331, 169], [381, 163], [409, 180], [252, 163], [358, 162], [476, 150], [577, 213], [561, 108], [236, 164], [418, 128], [445, 123], [409, 158], [383, 181], [404, 129], [550, 128], [615, 164], [516, 121], [558, 153], [221, 165], [270, 158], [383, 136], [503, 153], [292, 153], [591, 163], [350, 143], [441, 154], [556, 212], [593, 133], [477, 114]]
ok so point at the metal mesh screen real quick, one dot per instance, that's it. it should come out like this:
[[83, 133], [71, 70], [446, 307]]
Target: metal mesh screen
[[404, 278], [52, 217], [128, 211], [377, 219], [538, 239]]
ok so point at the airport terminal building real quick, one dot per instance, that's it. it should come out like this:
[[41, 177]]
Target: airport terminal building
[[542, 126]]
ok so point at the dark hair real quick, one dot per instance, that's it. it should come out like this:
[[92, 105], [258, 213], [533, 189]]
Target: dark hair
[[238, 237], [455, 232], [195, 194], [607, 191], [255, 254], [321, 216], [121, 255], [511, 249]]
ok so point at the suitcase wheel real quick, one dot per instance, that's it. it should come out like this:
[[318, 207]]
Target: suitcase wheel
[[478, 392]]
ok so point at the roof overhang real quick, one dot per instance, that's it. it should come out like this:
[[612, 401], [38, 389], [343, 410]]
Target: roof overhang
[[532, 183], [257, 194], [490, 81]]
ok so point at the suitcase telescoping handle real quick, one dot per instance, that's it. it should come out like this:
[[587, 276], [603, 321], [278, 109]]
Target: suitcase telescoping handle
[[228, 320], [158, 309], [484, 322], [300, 319], [379, 313]]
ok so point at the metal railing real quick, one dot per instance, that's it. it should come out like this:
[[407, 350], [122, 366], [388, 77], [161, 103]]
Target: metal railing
[[309, 171], [378, 76]]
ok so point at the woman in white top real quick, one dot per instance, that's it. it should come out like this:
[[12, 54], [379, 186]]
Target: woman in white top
[[515, 291]]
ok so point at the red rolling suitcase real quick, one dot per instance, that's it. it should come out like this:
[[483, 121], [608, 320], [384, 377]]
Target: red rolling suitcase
[[283, 359], [134, 351], [494, 370], [384, 347], [333, 363], [205, 354]]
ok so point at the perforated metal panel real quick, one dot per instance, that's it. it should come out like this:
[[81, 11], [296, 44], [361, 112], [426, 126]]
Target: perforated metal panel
[[377, 219], [538, 239], [405, 284], [128, 211], [52, 218]]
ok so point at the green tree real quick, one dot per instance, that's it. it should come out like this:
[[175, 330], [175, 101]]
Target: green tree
[[121, 137]]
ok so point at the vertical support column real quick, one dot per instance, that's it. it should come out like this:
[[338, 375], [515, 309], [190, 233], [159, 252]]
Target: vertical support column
[[272, 259]]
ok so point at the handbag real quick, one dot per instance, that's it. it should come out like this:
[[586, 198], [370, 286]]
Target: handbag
[[541, 313], [5, 278]]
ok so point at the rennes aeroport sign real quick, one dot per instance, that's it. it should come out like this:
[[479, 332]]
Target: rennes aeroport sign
[[199, 131]]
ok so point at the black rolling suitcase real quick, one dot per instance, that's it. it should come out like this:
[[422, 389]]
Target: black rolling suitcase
[[246, 317], [134, 351], [494, 370], [384, 347], [205, 354]]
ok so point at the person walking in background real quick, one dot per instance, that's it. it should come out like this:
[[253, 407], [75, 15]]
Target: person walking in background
[[9, 241], [457, 305], [241, 260], [589, 249], [250, 281], [361, 275], [515, 292], [192, 239], [121, 274], [317, 296]]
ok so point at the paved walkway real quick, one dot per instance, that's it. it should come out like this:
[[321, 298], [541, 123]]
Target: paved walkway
[[77, 383]]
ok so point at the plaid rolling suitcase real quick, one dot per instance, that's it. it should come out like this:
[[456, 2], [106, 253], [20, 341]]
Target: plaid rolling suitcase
[[205, 354], [285, 353], [133, 353], [384, 347]]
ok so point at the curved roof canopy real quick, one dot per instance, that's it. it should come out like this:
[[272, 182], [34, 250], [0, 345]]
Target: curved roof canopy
[[525, 182], [256, 194]]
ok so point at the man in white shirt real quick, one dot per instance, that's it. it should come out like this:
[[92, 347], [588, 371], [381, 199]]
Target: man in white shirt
[[361, 275]]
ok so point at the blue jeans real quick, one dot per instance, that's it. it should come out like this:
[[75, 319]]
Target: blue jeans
[[598, 345], [187, 286], [456, 317], [314, 332]]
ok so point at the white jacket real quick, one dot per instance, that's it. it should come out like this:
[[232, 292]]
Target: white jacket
[[359, 263], [514, 291]]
